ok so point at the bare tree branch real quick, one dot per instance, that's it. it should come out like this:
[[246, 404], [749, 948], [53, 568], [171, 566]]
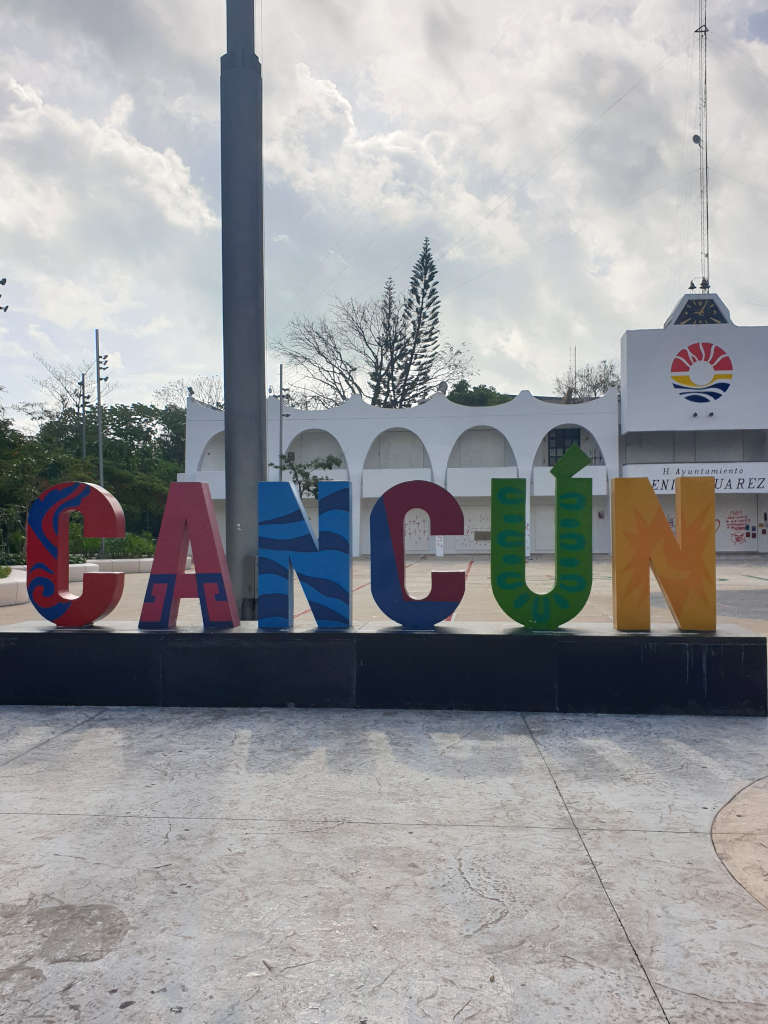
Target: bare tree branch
[[354, 351], [208, 389], [588, 381], [62, 382]]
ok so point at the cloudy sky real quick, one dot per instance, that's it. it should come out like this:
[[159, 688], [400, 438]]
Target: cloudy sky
[[544, 146]]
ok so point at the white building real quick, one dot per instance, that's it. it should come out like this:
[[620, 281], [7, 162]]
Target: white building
[[680, 410], [716, 427]]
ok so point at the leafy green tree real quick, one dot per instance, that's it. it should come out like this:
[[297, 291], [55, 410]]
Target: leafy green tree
[[480, 394], [17, 474], [143, 452]]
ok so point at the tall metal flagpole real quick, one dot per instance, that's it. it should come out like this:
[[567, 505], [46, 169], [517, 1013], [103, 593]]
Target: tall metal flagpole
[[242, 217]]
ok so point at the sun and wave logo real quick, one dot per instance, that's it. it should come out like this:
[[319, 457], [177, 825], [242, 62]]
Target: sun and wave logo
[[702, 372]]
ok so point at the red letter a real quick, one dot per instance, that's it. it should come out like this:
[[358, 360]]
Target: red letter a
[[189, 521]]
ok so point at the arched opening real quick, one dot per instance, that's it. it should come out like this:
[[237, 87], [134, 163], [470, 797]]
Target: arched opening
[[310, 445], [397, 449], [396, 456], [554, 445], [479, 455], [305, 466], [559, 439], [213, 453], [481, 447]]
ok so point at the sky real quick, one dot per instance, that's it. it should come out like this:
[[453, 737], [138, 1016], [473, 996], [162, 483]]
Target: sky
[[543, 146]]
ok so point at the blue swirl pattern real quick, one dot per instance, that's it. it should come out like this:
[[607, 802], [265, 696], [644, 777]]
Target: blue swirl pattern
[[286, 543]]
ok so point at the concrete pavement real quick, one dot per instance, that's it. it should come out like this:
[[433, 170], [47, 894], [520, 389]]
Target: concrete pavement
[[339, 867], [390, 867]]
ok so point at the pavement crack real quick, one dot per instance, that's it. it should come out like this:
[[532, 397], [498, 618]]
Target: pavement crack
[[591, 860], [293, 967], [97, 863], [384, 980], [461, 1009], [711, 999], [483, 895], [426, 999], [55, 736]]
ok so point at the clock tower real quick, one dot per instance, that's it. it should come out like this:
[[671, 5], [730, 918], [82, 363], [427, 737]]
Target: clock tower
[[698, 310]]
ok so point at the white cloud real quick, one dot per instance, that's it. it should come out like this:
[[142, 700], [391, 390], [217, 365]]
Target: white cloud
[[544, 148], [129, 166]]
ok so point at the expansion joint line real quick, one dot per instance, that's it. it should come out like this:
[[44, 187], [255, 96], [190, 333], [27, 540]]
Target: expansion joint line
[[54, 736], [578, 832]]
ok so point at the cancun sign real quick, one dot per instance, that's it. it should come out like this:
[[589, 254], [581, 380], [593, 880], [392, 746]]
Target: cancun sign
[[642, 541]]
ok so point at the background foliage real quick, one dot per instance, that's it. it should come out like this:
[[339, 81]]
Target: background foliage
[[143, 452]]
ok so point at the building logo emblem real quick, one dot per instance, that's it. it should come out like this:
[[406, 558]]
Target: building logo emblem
[[702, 372]]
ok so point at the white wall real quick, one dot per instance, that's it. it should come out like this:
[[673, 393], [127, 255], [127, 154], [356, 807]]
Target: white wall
[[213, 453], [417, 443], [397, 449], [481, 446], [315, 444], [649, 401]]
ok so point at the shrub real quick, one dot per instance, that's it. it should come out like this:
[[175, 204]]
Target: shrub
[[132, 545]]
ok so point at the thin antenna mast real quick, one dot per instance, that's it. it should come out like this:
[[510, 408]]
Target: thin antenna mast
[[702, 141]]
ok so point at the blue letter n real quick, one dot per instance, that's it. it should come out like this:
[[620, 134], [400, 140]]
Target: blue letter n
[[286, 542]]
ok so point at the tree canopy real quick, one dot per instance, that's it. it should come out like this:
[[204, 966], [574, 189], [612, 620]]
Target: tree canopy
[[143, 452], [480, 394], [386, 350]]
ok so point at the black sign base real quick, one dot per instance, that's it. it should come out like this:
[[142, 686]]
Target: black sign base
[[592, 669]]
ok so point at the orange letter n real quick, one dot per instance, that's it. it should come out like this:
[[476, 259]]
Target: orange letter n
[[684, 565]]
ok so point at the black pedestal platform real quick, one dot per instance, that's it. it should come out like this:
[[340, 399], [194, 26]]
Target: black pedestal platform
[[592, 669]]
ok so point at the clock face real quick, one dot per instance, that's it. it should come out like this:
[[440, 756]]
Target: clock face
[[700, 311]]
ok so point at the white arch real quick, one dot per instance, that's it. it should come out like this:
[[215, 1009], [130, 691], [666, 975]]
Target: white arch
[[314, 443], [542, 517], [481, 446], [397, 448], [213, 453], [587, 441]]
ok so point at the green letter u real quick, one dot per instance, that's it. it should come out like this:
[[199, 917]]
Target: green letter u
[[573, 547]]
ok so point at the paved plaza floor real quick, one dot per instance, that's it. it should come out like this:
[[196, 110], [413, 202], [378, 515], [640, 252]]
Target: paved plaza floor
[[742, 583], [338, 867]]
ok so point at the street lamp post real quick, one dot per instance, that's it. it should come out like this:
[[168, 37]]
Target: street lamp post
[[102, 363], [83, 405], [282, 414]]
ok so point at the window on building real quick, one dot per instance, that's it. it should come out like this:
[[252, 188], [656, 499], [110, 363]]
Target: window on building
[[559, 441]]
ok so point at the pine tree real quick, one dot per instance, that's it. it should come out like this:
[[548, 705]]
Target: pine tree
[[420, 344], [384, 373], [384, 350]]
